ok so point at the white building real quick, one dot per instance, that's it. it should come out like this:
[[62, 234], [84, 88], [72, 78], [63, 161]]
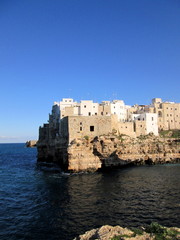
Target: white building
[[150, 119], [144, 123], [118, 107], [66, 102], [88, 108]]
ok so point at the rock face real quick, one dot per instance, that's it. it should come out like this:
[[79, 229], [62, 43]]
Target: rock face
[[109, 151], [104, 233], [118, 233], [31, 143]]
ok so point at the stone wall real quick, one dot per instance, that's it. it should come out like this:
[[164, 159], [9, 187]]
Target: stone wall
[[90, 126], [126, 128], [104, 110], [168, 115], [140, 127], [64, 128]]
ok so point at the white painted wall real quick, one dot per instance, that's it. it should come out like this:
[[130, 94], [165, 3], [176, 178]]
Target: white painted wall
[[118, 107], [76, 110], [150, 121], [66, 102], [88, 108]]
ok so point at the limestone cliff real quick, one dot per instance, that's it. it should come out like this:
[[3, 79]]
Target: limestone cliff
[[86, 154], [31, 143], [152, 232]]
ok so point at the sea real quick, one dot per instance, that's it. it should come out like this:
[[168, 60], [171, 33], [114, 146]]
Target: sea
[[40, 202]]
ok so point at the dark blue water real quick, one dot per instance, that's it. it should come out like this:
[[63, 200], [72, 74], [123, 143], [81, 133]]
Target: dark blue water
[[39, 203]]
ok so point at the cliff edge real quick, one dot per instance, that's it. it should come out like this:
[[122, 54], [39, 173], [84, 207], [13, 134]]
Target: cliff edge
[[108, 151], [31, 143], [152, 232]]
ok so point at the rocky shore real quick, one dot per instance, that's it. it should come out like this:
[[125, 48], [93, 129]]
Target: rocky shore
[[31, 143], [152, 232], [110, 151]]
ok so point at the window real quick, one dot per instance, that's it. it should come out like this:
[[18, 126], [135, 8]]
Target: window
[[80, 128], [160, 114], [95, 113], [152, 118], [84, 106], [93, 106], [167, 115], [89, 113], [91, 128], [171, 115], [101, 113], [80, 123]]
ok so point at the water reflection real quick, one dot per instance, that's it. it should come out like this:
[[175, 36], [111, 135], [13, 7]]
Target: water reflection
[[60, 207], [37, 204], [129, 197]]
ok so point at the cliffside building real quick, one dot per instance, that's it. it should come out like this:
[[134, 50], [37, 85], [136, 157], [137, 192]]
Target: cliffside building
[[168, 113], [70, 119], [69, 137], [67, 107]]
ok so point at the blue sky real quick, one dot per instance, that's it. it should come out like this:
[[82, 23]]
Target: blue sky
[[84, 49]]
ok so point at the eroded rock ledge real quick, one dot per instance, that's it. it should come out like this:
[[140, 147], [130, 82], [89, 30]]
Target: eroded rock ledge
[[31, 143], [109, 151], [155, 231]]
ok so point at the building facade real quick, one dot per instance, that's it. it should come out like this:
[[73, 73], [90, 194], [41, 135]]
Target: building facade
[[70, 119], [168, 114]]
